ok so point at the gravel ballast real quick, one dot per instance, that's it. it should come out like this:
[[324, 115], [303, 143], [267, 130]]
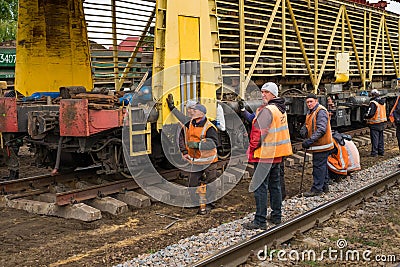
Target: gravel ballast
[[194, 248]]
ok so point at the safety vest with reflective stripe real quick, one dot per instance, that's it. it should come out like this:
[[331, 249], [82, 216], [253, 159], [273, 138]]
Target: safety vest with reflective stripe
[[391, 116], [354, 156], [338, 162], [380, 114], [197, 134], [277, 142], [325, 142]]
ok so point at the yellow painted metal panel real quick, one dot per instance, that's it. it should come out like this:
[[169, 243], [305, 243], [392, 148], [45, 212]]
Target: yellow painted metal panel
[[52, 47], [189, 43], [342, 70], [171, 49], [342, 78]]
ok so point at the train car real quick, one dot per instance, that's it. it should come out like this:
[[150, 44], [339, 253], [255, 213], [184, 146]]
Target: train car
[[213, 51], [7, 64], [101, 62]]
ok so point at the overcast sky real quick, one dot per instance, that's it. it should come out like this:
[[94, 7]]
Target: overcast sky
[[392, 6]]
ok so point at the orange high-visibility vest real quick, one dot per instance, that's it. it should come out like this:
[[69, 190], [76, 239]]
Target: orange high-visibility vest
[[380, 114], [391, 116], [277, 142], [339, 162], [197, 134], [325, 142], [354, 156]]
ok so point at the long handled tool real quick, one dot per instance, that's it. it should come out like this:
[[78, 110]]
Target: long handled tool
[[302, 172]]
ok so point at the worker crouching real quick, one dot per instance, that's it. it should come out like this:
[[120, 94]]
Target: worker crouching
[[344, 159]]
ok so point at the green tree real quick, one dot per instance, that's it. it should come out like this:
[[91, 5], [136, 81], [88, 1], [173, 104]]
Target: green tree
[[8, 19]]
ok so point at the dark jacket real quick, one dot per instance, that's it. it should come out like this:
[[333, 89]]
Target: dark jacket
[[322, 121], [211, 134], [249, 117]]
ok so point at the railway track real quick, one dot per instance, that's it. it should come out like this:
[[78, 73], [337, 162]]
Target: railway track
[[240, 253], [81, 194]]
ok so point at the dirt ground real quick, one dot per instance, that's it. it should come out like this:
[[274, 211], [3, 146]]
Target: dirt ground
[[33, 240]]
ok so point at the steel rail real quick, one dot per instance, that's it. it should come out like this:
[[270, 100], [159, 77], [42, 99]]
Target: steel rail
[[38, 184], [102, 190], [78, 195], [40, 181], [239, 253]]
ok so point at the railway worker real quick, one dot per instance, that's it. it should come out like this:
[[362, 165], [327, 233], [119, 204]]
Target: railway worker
[[249, 117], [354, 155], [338, 160], [395, 117], [269, 143], [201, 152], [318, 140], [376, 120], [345, 157]]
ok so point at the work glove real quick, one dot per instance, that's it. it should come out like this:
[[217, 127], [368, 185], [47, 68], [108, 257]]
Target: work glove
[[303, 132], [241, 105], [306, 143], [170, 102], [347, 137], [194, 145]]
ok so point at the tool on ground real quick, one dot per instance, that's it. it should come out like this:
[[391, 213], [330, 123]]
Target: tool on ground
[[302, 172], [171, 217]]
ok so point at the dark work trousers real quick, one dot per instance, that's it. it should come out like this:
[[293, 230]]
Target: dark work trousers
[[377, 142], [269, 175], [398, 134], [12, 158], [197, 177], [282, 181], [320, 171], [282, 178]]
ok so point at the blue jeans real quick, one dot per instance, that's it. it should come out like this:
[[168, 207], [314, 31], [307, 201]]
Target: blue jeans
[[320, 171], [269, 175]]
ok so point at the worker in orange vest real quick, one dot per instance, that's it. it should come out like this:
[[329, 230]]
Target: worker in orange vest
[[345, 157], [318, 140], [201, 152], [338, 160], [269, 143], [376, 120]]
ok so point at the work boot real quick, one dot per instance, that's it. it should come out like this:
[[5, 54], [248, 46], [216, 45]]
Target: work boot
[[325, 189], [14, 175], [312, 194], [274, 221], [202, 211], [253, 226]]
